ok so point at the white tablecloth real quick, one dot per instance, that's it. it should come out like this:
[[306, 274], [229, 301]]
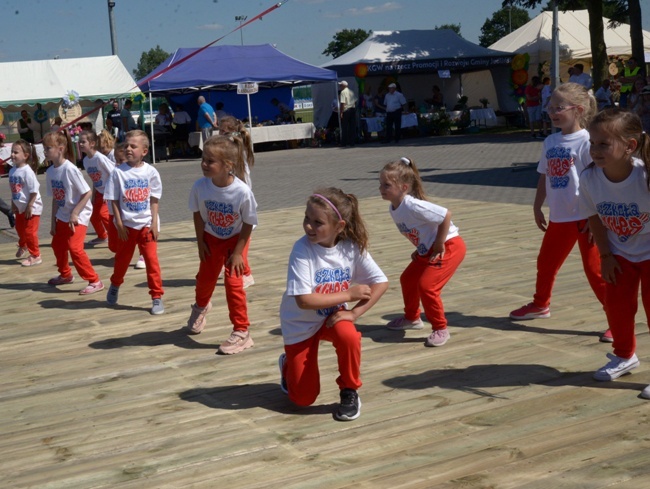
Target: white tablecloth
[[485, 117], [281, 132], [376, 124]]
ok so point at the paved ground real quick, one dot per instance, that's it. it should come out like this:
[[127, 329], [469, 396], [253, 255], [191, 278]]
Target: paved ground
[[490, 168]]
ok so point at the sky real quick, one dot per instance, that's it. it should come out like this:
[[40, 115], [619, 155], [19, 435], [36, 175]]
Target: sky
[[45, 29]]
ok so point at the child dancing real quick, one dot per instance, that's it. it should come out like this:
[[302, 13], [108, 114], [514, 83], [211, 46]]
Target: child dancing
[[439, 248], [134, 190], [616, 193], [99, 168], [564, 156], [71, 210], [225, 212], [26, 201], [323, 266]]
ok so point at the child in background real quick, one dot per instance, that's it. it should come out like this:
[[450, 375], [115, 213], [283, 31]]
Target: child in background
[[26, 201], [134, 190], [225, 212], [99, 169], [107, 145], [230, 126], [564, 156], [71, 210], [615, 190], [439, 248], [323, 265]]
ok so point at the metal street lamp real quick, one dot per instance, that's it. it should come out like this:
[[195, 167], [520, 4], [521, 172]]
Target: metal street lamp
[[241, 19], [111, 21]]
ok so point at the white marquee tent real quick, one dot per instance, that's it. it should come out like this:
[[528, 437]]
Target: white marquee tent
[[534, 38], [23, 84]]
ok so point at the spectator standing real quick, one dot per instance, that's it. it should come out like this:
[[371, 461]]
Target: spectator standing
[[206, 119], [348, 111], [604, 95], [580, 77], [25, 127], [630, 72], [394, 103]]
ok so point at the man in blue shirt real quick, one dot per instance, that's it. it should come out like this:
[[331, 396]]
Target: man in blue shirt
[[206, 119]]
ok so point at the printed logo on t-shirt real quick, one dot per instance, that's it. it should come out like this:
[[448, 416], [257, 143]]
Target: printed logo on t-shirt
[[136, 194], [330, 281], [624, 220], [58, 192], [95, 175], [413, 235], [221, 217], [560, 162], [16, 185]]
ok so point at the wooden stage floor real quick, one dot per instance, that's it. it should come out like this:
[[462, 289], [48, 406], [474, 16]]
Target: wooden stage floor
[[94, 397]]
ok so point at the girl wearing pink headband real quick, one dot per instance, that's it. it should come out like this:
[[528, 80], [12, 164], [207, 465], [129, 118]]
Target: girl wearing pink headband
[[323, 266]]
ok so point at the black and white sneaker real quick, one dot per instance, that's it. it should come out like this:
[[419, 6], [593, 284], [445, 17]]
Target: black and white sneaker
[[283, 381], [350, 407]]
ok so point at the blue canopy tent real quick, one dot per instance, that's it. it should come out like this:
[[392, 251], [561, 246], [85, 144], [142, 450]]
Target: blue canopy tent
[[216, 71]]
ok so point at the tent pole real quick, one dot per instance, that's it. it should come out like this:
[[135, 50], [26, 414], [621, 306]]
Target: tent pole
[[250, 117], [555, 48], [153, 142], [338, 101]]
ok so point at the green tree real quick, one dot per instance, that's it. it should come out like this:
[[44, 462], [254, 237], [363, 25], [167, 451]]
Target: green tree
[[344, 41], [149, 60], [453, 27], [501, 24]]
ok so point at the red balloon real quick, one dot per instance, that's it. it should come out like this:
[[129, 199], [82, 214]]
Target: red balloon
[[361, 70]]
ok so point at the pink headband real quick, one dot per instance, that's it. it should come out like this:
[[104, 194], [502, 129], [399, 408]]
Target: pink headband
[[330, 204]]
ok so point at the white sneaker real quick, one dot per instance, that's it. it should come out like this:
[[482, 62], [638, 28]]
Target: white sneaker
[[248, 281], [401, 324], [140, 264], [645, 393], [616, 367]]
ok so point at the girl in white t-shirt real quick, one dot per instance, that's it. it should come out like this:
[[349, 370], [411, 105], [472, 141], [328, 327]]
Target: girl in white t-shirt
[[323, 266], [439, 248], [234, 128], [615, 192], [71, 210], [26, 201], [99, 168], [224, 211], [564, 156]]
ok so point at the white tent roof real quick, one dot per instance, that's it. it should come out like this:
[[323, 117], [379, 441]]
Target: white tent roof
[[534, 37], [43, 81]]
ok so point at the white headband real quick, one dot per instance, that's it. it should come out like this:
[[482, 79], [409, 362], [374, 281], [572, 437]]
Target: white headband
[[405, 160]]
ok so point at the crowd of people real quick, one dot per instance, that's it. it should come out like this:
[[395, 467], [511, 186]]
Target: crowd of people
[[594, 174]]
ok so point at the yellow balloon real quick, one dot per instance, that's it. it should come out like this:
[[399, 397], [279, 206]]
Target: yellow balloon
[[2, 117]]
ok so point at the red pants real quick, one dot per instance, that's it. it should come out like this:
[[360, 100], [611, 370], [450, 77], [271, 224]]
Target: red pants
[[621, 304], [301, 365], [27, 230], [559, 239], [206, 280], [148, 249], [423, 281], [99, 217], [113, 238], [64, 241]]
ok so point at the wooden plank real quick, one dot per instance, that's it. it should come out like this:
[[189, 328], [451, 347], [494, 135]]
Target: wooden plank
[[93, 396]]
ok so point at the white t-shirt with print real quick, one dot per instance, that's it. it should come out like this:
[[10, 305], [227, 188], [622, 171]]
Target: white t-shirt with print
[[564, 157], [99, 168], [133, 188], [23, 183], [223, 209], [65, 184], [623, 208], [316, 269], [418, 221]]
